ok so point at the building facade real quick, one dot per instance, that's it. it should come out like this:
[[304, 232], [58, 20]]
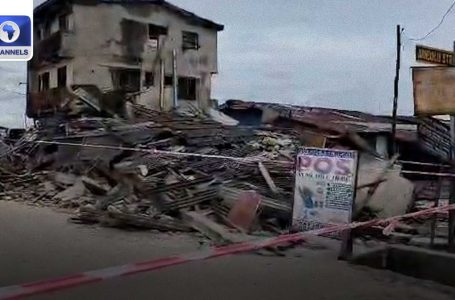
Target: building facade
[[131, 46]]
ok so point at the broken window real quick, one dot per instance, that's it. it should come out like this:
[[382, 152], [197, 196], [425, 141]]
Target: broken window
[[134, 39], [187, 88], [149, 79], [63, 23], [190, 40], [47, 30], [129, 80], [39, 34], [44, 81], [61, 77], [168, 80], [155, 31]]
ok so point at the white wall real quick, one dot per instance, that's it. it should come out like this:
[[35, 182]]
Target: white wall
[[99, 44]]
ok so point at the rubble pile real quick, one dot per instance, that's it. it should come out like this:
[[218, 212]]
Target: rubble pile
[[162, 171], [179, 172]]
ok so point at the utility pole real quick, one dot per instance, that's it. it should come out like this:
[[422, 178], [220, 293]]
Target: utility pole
[[394, 149], [174, 79], [162, 105], [452, 183]]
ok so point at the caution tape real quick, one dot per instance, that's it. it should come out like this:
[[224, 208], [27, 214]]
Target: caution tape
[[71, 281]]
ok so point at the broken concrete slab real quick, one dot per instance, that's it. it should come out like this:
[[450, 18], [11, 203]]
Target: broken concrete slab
[[72, 193], [64, 179], [117, 193], [391, 196], [213, 230], [94, 186]]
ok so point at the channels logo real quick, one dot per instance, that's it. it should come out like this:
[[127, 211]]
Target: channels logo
[[15, 38], [9, 32]]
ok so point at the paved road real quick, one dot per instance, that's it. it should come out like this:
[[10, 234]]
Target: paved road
[[37, 243]]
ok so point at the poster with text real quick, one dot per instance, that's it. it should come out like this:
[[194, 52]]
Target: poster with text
[[325, 181]]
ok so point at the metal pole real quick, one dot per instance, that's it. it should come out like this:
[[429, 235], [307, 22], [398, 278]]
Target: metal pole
[[174, 77], [395, 94], [27, 85], [162, 106], [347, 237], [452, 189], [451, 237]]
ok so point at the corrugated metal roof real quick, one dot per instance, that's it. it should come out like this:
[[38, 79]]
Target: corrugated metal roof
[[331, 119]]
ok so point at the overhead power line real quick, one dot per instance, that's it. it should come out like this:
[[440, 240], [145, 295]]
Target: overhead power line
[[437, 26]]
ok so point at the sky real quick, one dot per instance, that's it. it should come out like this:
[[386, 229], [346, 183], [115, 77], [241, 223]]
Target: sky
[[327, 53]]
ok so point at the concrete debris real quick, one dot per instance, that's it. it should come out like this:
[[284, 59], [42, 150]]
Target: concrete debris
[[105, 171], [4, 149], [209, 228], [64, 179], [114, 181], [382, 189], [72, 193], [94, 186], [222, 118]]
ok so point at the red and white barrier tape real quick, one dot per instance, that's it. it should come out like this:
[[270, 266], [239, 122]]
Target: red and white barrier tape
[[39, 287]]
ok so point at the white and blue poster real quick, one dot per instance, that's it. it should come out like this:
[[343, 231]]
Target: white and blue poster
[[325, 181]]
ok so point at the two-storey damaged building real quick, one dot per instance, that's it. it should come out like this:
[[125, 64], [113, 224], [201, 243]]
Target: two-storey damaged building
[[151, 51]]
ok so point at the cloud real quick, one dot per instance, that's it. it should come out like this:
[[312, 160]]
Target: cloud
[[314, 52], [12, 104]]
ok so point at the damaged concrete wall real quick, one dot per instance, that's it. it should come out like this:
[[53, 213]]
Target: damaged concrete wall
[[392, 197], [53, 74], [110, 38]]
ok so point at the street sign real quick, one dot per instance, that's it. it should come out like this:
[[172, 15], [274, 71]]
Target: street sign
[[434, 90], [434, 55]]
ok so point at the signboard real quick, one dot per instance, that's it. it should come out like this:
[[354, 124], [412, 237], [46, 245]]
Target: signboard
[[324, 188], [434, 137], [433, 55], [434, 90]]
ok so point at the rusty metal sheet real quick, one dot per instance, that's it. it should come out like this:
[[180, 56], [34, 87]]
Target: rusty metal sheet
[[46, 102], [434, 137], [434, 90], [313, 139], [245, 210]]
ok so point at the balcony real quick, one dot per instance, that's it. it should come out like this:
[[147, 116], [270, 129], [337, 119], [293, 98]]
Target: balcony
[[54, 48]]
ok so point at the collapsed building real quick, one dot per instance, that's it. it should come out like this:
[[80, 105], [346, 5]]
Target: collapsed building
[[423, 143], [151, 52], [104, 84], [326, 127], [181, 172]]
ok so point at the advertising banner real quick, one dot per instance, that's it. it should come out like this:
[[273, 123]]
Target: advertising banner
[[325, 181]]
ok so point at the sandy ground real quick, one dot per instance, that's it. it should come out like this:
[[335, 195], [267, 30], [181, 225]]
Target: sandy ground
[[38, 243]]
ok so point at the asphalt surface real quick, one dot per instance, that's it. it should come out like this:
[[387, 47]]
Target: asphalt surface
[[39, 243]]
